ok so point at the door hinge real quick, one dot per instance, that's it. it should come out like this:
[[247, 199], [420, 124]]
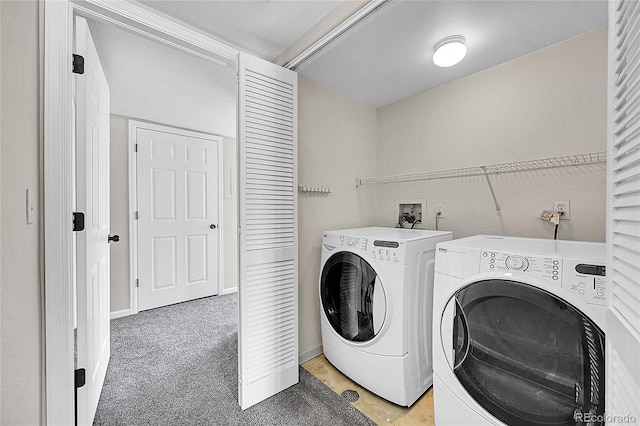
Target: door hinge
[[80, 376], [78, 221], [78, 64], [135, 148], [80, 379], [137, 282], [136, 215]]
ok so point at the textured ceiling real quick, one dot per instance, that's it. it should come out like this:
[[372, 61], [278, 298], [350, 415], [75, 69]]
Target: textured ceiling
[[388, 57], [264, 28], [151, 81]]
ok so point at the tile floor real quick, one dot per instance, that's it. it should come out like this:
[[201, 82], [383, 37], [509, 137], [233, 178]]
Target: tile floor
[[377, 409]]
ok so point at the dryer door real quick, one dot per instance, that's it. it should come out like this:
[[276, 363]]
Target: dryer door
[[527, 356], [352, 296]]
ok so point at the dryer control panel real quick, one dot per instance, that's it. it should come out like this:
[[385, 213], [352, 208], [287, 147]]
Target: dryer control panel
[[546, 267], [585, 279]]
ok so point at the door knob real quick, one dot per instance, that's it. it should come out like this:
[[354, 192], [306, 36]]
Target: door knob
[[114, 238], [212, 226]]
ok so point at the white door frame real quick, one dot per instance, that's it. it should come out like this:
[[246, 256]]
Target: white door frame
[[56, 109], [134, 125]]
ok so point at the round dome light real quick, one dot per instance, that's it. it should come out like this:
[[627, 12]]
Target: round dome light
[[449, 51]]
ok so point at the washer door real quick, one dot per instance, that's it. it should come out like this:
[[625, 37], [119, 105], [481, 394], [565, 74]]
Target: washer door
[[352, 296], [527, 356]]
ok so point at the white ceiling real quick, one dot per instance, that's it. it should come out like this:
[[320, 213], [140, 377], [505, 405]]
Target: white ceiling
[[384, 59], [153, 82], [264, 28], [388, 57]]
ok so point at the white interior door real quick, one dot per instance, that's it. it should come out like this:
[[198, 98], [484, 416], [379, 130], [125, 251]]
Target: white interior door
[[92, 198], [178, 185], [623, 215], [268, 243]]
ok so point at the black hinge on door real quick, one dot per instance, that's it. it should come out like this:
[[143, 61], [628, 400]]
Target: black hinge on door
[[135, 148], [80, 378], [78, 64], [137, 282], [78, 221]]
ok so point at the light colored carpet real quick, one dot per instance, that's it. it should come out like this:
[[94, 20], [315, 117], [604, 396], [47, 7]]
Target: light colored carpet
[[177, 365]]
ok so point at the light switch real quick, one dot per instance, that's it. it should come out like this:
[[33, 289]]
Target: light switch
[[30, 207]]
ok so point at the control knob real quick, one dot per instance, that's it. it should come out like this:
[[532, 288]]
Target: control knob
[[517, 263]]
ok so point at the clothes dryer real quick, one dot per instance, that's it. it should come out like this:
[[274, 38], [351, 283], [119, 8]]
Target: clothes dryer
[[519, 332], [376, 289]]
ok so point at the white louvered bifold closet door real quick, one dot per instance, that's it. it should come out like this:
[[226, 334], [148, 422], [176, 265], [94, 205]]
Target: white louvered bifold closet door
[[623, 215], [268, 243]]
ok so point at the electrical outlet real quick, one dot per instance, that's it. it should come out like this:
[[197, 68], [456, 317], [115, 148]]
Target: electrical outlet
[[439, 210], [562, 207]]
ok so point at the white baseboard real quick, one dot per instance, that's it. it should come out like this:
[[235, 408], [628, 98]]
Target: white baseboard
[[121, 313], [309, 353], [229, 290]]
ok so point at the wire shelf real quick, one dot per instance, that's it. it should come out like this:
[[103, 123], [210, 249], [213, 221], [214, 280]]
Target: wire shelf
[[517, 166]]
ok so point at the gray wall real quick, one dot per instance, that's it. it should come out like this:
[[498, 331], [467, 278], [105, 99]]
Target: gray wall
[[336, 144], [0, 211], [119, 213], [545, 104], [230, 214], [21, 309]]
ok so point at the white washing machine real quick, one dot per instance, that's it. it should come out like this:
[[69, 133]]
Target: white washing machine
[[376, 287], [519, 333]]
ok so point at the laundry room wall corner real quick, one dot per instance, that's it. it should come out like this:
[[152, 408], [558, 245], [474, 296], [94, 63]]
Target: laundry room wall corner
[[548, 103], [336, 144]]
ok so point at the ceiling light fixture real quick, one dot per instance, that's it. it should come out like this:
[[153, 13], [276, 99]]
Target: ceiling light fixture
[[449, 51]]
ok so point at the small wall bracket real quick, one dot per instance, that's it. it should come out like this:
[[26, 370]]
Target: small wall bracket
[[493, 194], [314, 190]]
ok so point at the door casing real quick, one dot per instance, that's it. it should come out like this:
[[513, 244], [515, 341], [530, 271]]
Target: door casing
[[57, 164]]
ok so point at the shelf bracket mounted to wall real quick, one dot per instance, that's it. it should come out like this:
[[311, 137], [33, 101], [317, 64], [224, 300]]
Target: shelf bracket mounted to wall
[[493, 194]]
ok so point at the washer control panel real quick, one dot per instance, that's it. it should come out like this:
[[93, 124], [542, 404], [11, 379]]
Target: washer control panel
[[386, 251], [546, 267], [380, 250], [585, 279], [354, 242]]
